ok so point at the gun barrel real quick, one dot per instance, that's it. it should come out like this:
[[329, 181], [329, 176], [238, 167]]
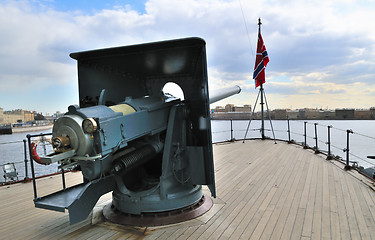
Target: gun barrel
[[219, 94]]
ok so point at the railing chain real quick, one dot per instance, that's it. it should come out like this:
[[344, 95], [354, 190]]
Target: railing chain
[[304, 143]]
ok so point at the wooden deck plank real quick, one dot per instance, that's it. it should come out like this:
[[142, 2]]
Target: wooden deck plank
[[368, 206], [361, 223], [177, 234], [258, 223], [232, 224], [293, 225], [318, 205], [116, 235], [341, 210], [301, 213], [236, 170], [166, 235], [334, 216], [352, 221], [239, 195], [254, 199], [245, 221], [229, 225], [205, 231], [326, 217], [286, 207], [265, 191], [188, 232], [370, 200], [109, 234], [278, 203], [309, 214]]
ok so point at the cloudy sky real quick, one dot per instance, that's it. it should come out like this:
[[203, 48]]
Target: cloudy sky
[[322, 53]]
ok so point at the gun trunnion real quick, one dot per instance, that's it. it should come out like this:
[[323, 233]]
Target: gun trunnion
[[153, 150]]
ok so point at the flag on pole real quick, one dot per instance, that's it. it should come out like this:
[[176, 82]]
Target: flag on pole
[[260, 62]]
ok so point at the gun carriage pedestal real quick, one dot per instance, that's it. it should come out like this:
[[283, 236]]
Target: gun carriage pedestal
[[151, 149]]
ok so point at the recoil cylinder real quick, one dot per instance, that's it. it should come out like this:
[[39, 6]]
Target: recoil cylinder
[[134, 159]]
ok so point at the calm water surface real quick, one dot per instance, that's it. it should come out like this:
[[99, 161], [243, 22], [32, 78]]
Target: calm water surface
[[362, 142], [12, 150]]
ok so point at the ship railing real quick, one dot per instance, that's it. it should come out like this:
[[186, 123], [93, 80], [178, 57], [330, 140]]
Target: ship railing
[[319, 137], [311, 135], [13, 171], [33, 174], [18, 168]]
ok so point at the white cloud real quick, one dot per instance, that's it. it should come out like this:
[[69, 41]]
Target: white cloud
[[326, 42]]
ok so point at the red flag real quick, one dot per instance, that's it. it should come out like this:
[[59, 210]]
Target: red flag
[[260, 62]]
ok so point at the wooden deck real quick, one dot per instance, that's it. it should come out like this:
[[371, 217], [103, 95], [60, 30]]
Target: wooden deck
[[265, 191]]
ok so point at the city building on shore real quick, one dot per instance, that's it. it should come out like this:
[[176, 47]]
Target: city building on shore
[[15, 116], [243, 113], [20, 117], [231, 112]]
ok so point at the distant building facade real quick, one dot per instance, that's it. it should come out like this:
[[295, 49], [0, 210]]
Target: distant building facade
[[308, 114], [344, 114], [327, 114], [218, 109], [362, 114], [296, 114], [232, 108], [230, 116], [230, 111], [293, 114], [229, 108], [279, 114], [244, 108], [1, 116], [15, 116]]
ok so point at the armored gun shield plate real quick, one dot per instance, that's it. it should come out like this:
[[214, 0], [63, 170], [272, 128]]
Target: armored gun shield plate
[[143, 70]]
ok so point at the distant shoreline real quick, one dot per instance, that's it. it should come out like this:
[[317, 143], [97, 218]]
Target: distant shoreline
[[31, 129], [283, 116], [226, 118]]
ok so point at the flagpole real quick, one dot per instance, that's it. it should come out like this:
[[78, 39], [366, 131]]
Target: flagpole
[[261, 95], [262, 110]]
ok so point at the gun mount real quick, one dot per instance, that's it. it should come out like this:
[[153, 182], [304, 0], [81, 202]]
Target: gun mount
[[153, 150]]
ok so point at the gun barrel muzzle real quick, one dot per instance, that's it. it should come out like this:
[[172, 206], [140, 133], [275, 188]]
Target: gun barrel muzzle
[[222, 93]]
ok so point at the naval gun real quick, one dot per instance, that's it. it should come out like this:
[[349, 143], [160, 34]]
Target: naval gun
[[152, 149]]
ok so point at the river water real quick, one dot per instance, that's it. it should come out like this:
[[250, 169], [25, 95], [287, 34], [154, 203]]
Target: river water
[[362, 141], [12, 151]]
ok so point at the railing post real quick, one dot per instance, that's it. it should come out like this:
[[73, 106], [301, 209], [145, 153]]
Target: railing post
[[43, 140], [63, 178], [347, 165], [305, 135], [288, 131], [32, 165], [316, 138], [231, 130], [25, 152], [329, 157]]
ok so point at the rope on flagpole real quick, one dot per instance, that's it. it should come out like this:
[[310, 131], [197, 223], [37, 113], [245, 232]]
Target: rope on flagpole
[[247, 30]]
